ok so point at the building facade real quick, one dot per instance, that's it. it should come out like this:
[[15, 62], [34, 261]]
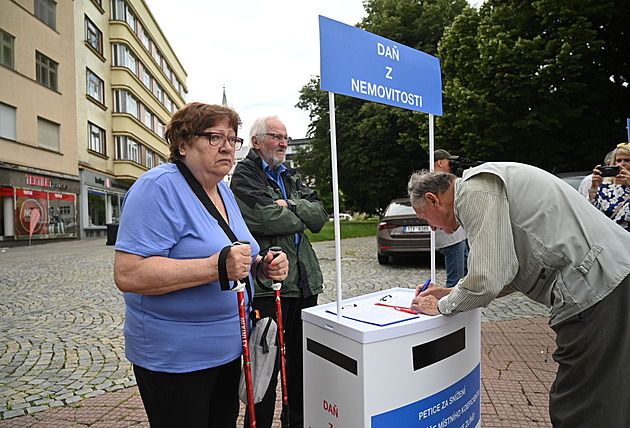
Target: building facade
[[88, 87], [38, 151]]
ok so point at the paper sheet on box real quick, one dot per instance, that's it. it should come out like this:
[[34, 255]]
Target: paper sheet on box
[[366, 311]]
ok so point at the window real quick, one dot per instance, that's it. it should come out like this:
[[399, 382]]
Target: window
[[127, 149], [118, 10], [147, 119], [7, 51], [93, 35], [145, 39], [8, 128], [147, 79], [160, 129], [46, 71], [95, 87], [46, 10], [168, 103], [159, 93], [130, 18], [157, 56], [48, 134], [150, 158], [96, 137], [180, 89], [123, 57], [124, 102]]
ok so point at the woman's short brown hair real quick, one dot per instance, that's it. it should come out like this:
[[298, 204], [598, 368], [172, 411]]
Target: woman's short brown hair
[[196, 117]]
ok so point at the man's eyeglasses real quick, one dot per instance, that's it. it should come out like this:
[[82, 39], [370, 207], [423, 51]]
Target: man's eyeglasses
[[279, 137], [218, 140]]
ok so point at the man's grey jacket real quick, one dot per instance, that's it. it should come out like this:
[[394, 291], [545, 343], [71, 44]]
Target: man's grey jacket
[[569, 255]]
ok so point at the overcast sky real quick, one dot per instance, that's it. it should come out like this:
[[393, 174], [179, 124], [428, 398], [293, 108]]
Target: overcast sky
[[264, 52]]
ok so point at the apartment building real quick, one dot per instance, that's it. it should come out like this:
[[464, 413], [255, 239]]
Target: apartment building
[[38, 126], [117, 82], [122, 53]]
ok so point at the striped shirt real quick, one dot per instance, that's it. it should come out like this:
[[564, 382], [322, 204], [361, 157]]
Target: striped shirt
[[482, 209]]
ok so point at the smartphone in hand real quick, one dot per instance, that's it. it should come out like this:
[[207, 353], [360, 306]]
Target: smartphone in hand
[[609, 171]]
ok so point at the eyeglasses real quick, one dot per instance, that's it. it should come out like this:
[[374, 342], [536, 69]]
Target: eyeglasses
[[218, 140], [279, 137], [623, 144]]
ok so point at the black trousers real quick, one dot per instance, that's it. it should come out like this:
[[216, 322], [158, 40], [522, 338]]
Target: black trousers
[[201, 399], [593, 356], [292, 323]]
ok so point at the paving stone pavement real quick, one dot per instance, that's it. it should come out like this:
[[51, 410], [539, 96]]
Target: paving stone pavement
[[62, 357]]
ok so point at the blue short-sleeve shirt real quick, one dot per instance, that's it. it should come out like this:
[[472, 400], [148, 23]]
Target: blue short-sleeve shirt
[[194, 328]]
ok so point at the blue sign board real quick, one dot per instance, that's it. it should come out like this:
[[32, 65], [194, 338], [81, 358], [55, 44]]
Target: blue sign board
[[456, 406], [364, 65]]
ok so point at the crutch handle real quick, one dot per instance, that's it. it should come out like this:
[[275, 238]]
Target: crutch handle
[[275, 251], [240, 284]]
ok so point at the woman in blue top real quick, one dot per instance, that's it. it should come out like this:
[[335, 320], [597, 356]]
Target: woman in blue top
[[182, 333], [612, 197]]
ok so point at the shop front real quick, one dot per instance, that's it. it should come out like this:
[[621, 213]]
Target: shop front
[[37, 205], [101, 202]]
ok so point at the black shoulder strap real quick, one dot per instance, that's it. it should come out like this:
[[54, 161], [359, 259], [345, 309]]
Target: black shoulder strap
[[205, 200]]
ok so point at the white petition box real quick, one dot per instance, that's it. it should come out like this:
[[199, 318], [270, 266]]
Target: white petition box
[[387, 368]]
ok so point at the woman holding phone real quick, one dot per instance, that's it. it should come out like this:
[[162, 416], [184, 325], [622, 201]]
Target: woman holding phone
[[611, 195]]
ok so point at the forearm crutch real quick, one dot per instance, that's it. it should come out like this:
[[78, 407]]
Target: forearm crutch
[[277, 285], [249, 386]]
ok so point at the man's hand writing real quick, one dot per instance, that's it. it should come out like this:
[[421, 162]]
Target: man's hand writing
[[425, 305], [426, 302]]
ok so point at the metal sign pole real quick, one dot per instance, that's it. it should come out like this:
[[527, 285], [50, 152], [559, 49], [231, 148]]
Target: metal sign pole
[[335, 190], [431, 168], [364, 65]]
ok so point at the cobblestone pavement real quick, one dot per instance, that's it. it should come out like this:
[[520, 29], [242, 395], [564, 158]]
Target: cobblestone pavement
[[61, 318]]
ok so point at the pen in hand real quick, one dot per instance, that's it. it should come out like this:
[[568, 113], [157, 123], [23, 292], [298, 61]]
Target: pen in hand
[[426, 285]]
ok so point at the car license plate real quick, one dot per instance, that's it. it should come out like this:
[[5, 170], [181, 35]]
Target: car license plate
[[416, 229]]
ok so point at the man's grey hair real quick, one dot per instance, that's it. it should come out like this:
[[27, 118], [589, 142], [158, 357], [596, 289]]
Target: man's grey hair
[[424, 182], [609, 157], [259, 128]]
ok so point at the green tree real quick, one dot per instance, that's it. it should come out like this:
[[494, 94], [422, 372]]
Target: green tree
[[537, 82]]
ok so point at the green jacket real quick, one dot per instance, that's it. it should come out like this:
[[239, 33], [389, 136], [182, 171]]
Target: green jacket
[[272, 224]]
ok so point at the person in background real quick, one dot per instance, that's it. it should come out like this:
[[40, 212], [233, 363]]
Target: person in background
[[182, 332], [587, 181], [611, 196], [278, 208], [530, 232], [453, 247]]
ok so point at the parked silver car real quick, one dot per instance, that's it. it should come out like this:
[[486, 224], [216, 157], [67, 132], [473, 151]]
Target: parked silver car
[[401, 232]]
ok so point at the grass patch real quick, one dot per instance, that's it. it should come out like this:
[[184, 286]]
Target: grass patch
[[348, 229]]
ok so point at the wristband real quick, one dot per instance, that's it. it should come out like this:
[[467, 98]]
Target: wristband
[[223, 276]]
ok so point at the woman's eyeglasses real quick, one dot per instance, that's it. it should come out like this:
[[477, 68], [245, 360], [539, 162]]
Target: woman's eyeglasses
[[218, 140]]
